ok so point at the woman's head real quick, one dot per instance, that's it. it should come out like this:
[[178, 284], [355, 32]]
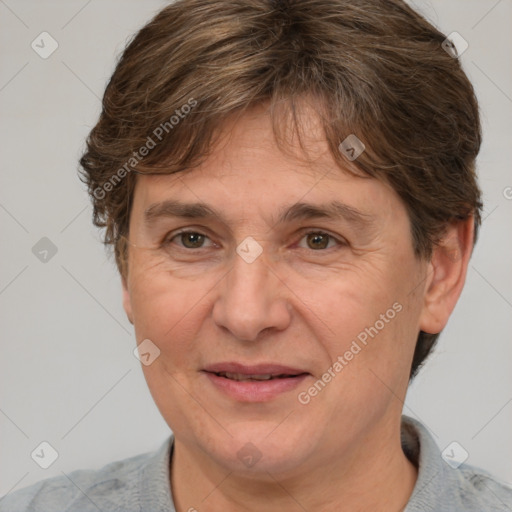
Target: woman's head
[[371, 69]]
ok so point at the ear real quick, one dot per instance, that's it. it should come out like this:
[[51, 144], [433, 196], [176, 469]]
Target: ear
[[127, 303], [446, 274]]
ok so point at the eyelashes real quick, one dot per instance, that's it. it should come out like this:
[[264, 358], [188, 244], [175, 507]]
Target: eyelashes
[[189, 240], [194, 238]]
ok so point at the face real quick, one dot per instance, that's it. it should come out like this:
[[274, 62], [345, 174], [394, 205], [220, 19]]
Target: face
[[258, 264]]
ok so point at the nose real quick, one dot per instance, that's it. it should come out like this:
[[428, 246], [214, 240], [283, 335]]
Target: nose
[[251, 299]]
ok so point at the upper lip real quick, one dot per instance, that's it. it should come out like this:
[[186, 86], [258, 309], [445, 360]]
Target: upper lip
[[257, 369]]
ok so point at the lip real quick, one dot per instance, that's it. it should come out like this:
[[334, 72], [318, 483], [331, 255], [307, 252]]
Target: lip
[[254, 391], [263, 368]]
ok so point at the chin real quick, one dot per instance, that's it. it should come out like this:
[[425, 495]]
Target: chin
[[255, 452]]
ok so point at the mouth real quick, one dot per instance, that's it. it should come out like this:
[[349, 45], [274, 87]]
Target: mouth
[[255, 383], [258, 377]]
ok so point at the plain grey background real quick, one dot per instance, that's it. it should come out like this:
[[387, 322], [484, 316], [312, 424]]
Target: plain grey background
[[68, 374]]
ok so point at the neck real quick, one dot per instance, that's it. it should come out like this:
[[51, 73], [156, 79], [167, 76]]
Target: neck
[[374, 476]]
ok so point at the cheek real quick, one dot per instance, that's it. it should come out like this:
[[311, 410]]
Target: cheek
[[347, 303], [166, 309], [368, 317]]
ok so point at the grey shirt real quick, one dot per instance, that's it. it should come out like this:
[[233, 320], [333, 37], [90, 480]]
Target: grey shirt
[[142, 484]]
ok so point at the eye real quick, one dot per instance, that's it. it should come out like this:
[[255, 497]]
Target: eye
[[313, 240], [188, 240], [318, 240]]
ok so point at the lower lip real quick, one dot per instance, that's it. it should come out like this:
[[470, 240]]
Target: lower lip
[[254, 390]]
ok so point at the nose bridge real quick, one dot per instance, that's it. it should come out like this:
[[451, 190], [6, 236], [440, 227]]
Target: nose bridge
[[248, 279], [250, 299]]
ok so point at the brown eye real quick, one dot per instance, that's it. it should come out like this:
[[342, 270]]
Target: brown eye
[[192, 240], [317, 241]]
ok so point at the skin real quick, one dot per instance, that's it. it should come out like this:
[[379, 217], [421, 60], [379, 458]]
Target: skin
[[296, 305]]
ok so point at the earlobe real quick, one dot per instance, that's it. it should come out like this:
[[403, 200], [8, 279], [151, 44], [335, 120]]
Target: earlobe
[[446, 275], [127, 304]]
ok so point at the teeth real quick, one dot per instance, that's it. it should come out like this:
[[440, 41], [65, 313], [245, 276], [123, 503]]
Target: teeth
[[241, 377]]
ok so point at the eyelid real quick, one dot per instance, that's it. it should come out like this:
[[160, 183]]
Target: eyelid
[[168, 239], [310, 231]]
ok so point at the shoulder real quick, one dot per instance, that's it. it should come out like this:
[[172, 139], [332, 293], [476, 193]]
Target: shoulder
[[480, 490], [444, 484], [115, 486]]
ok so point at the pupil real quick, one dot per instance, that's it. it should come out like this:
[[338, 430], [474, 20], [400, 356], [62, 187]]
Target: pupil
[[192, 240], [318, 241]]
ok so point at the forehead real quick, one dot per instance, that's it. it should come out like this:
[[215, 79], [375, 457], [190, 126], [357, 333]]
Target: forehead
[[248, 170]]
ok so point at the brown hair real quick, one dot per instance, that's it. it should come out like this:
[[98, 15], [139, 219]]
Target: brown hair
[[376, 68]]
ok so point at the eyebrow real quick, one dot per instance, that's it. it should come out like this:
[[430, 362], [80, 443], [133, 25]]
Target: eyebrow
[[334, 210]]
